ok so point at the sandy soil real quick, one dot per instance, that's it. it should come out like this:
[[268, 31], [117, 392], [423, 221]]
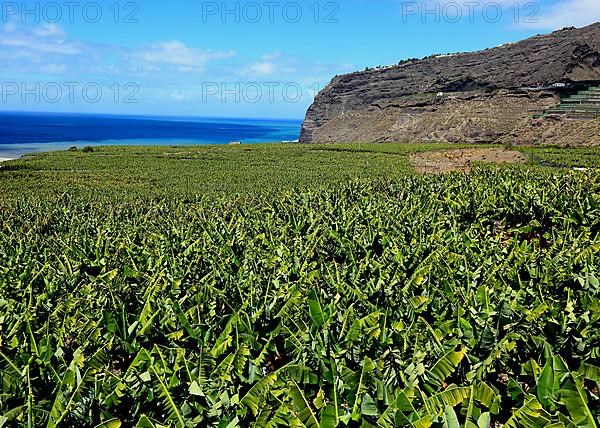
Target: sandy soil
[[5, 159], [462, 159]]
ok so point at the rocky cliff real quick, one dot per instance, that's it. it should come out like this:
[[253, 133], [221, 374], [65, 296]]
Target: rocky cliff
[[471, 97]]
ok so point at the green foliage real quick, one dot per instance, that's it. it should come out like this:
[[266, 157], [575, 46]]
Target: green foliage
[[167, 172], [563, 157], [461, 300]]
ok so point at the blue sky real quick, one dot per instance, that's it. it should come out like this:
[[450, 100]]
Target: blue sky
[[237, 59]]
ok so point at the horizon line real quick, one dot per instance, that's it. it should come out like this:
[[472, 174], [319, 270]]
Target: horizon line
[[150, 115]]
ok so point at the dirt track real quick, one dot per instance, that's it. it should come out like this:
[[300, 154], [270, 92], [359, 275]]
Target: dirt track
[[462, 159]]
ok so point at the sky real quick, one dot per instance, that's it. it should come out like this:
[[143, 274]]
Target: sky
[[254, 59]]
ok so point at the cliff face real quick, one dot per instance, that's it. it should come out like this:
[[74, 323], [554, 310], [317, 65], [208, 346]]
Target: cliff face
[[470, 97]]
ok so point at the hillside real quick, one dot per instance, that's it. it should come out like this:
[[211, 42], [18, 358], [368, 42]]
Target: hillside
[[469, 97]]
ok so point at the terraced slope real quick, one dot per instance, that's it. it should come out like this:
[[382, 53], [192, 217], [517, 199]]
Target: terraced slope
[[584, 105]]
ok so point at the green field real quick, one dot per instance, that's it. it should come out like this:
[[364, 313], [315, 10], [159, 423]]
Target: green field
[[293, 285], [159, 171]]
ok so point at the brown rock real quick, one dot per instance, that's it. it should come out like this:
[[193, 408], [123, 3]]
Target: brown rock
[[469, 97]]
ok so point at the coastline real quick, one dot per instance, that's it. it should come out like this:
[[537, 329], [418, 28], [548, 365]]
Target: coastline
[[15, 151]]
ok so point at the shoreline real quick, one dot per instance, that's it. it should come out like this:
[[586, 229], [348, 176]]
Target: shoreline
[[15, 151]]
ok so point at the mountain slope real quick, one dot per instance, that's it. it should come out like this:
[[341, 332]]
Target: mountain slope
[[474, 96]]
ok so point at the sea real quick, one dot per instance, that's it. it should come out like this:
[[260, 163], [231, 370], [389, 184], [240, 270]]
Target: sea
[[22, 133]]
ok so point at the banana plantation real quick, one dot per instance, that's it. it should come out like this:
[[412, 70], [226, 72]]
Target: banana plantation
[[463, 300]]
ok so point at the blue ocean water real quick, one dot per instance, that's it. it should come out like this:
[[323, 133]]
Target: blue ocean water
[[22, 133]]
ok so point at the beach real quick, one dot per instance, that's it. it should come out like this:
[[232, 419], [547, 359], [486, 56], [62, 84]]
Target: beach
[[5, 159]]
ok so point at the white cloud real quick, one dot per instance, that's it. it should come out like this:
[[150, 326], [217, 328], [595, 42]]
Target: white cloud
[[566, 13], [272, 56], [178, 56], [271, 63], [54, 68], [180, 96], [260, 69], [47, 38], [52, 31]]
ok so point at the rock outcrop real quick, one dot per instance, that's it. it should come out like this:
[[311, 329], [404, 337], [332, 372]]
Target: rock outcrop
[[470, 97]]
